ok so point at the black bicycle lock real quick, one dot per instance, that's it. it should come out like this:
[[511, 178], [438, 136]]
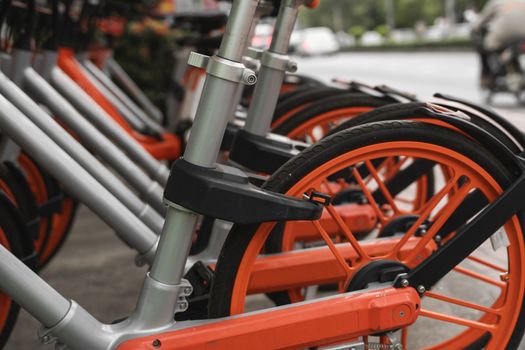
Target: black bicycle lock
[[225, 193]]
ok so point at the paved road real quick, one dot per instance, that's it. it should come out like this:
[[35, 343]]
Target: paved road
[[97, 270]]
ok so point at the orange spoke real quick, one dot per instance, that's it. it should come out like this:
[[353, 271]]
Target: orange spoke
[[487, 264], [427, 210], [446, 211], [463, 303], [382, 187], [404, 337], [457, 320], [347, 232], [480, 277], [328, 188], [396, 168], [334, 250], [369, 196]]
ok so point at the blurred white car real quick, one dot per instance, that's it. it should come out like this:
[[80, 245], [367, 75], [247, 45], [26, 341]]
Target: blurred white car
[[372, 39], [263, 36], [316, 41]]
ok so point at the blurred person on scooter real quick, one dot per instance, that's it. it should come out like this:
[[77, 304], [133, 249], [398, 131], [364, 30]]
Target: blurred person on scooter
[[500, 24]]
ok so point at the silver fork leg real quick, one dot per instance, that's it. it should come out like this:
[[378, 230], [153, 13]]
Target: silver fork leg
[[274, 64], [204, 144]]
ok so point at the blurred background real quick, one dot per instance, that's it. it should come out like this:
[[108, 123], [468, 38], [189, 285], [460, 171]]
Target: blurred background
[[372, 39]]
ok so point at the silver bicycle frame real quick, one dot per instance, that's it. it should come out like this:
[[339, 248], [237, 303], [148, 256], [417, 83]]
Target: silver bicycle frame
[[130, 116], [75, 179], [163, 288], [119, 74], [121, 95], [44, 121], [96, 115], [21, 59], [94, 140]]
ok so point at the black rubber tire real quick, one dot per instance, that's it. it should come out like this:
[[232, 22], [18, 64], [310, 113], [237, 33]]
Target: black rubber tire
[[21, 245], [329, 148], [294, 99], [25, 199], [325, 105], [403, 111]]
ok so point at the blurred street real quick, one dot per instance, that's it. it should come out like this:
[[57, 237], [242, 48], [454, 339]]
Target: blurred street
[[97, 270], [420, 73]]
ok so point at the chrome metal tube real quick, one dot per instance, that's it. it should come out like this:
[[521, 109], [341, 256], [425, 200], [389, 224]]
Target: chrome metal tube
[[236, 35], [90, 109], [271, 75], [94, 140], [40, 300], [75, 179], [116, 71], [121, 95], [135, 122], [44, 121]]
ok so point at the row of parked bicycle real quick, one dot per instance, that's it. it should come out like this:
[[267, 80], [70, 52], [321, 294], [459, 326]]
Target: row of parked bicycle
[[367, 210]]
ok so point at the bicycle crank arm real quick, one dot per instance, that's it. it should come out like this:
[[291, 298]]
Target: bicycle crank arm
[[313, 323]]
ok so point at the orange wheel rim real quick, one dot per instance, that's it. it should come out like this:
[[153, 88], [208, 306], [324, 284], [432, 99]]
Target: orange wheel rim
[[499, 317], [5, 300], [325, 122], [39, 190], [60, 226]]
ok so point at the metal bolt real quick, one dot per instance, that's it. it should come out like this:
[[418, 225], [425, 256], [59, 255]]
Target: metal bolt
[[402, 314], [423, 231], [183, 305], [398, 347], [291, 67], [421, 289], [188, 290], [438, 238], [249, 77], [405, 283], [156, 343], [46, 339]]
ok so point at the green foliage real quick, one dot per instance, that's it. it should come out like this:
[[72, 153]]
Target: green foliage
[[357, 31], [383, 30], [372, 13], [147, 57]]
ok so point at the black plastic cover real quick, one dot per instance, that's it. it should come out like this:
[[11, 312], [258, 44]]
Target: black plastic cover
[[263, 153], [226, 193]]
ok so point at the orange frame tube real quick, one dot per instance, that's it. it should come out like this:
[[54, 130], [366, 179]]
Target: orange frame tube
[[327, 321]]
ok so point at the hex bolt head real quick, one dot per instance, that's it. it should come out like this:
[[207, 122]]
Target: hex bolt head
[[46, 339], [188, 290], [421, 289], [292, 67], [156, 343], [249, 77], [405, 283]]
